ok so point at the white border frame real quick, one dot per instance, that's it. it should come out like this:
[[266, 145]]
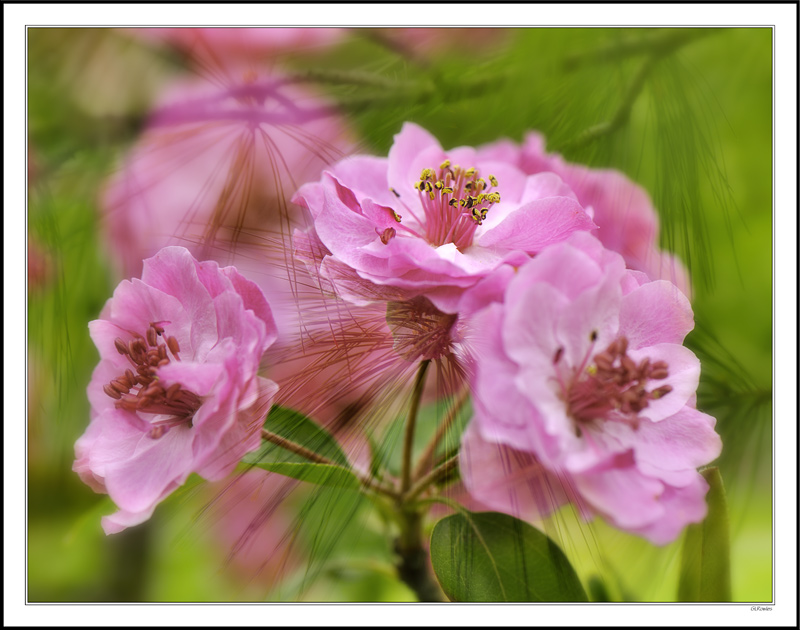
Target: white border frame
[[784, 19]]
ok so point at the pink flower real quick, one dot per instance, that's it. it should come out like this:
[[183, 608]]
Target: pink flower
[[40, 266], [422, 42], [254, 525], [176, 390], [627, 222], [216, 44], [215, 166], [585, 393], [428, 222]]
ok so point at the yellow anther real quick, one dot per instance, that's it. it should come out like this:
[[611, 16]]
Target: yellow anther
[[397, 217], [447, 190], [592, 369], [471, 172], [431, 194], [445, 164], [438, 185], [493, 180]]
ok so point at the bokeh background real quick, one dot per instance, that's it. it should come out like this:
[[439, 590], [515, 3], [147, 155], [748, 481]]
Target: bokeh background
[[685, 113]]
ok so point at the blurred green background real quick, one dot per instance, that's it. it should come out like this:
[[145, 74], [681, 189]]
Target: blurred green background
[[687, 114]]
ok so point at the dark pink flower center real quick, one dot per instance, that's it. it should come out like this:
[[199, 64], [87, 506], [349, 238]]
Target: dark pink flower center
[[139, 389], [456, 201], [612, 385]]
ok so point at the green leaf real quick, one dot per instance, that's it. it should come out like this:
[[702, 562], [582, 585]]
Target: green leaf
[[294, 426], [300, 429], [493, 557], [705, 562], [319, 474]]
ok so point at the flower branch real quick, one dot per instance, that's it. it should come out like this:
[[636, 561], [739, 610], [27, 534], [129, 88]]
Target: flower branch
[[427, 456], [297, 449], [432, 477], [408, 439]]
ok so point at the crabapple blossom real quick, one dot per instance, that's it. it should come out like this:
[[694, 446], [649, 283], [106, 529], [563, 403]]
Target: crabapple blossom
[[176, 390], [428, 222], [585, 393], [214, 167], [240, 44]]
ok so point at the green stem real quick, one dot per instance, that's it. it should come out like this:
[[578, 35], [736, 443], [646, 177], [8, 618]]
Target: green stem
[[429, 479], [427, 456], [413, 565], [408, 440]]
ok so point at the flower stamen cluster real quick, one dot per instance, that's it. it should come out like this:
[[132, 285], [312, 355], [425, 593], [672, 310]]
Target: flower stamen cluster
[[150, 396], [456, 201], [614, 382]]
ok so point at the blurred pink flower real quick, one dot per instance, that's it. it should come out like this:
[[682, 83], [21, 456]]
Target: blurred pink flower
[[254, 524], [428, 222], [176, 390], [585, 393], [215, 166], [422, 42], [627, 222], [40, 266], [240, 44]]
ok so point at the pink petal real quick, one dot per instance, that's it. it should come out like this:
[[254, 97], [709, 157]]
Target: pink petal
[[683, 441], [591, 322], [544, 185], [198, 378], [343, 231], [507, 479], [252, 299], [408, 144], [656, 312], [537, 224], [529, 328], [503, 150], [499, 405], [682, 506], [624, 496], [367, 177], [141, 479], [565, 268]]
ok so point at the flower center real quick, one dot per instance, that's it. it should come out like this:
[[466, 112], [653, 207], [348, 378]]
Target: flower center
[[614, 385], [140, 389], [455, 201], [419, 329]]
